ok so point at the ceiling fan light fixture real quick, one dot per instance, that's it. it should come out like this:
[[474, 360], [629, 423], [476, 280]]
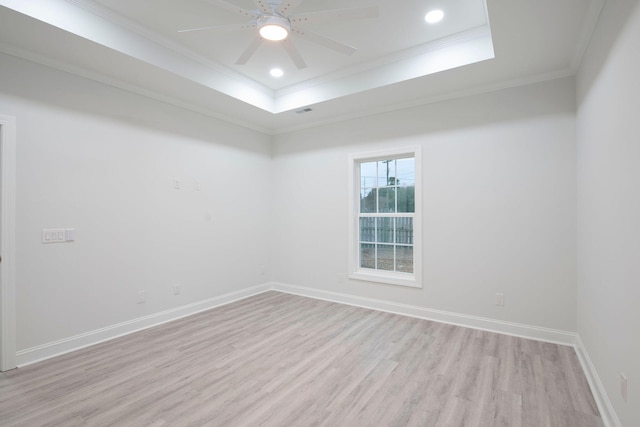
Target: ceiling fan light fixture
[[273, 27]]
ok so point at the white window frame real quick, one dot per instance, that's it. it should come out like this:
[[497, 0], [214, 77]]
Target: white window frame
[[414, 279]]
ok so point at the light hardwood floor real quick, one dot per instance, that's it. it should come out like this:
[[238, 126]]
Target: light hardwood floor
[[282, 360]]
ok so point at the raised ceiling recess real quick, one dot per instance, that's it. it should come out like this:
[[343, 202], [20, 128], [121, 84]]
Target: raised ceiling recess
[[339, 59], [330, 51]]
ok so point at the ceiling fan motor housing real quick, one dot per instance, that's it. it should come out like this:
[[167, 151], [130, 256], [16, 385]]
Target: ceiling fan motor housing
[[274, 27]]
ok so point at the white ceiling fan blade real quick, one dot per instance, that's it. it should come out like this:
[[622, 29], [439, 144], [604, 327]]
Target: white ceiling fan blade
[[234, 27], [263, 6], [249, 51], [335, 14], [287, 6], [293, 53], [325, 41], [233, 8]]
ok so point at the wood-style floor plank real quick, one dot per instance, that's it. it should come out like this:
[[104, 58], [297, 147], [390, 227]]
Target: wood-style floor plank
[[280, 360]]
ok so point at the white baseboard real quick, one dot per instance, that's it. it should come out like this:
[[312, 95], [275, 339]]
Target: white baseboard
[[607, 412], [66, 345], [56, 348], [492, 325], [77, 342]]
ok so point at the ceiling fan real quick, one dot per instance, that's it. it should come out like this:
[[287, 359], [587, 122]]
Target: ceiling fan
[[275, 22]]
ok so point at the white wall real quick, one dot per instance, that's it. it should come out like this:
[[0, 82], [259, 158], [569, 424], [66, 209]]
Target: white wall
[[499, 200], [609, 203], [499, 204], [103, 161]]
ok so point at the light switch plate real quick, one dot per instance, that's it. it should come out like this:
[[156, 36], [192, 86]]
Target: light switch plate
[[58, 235]]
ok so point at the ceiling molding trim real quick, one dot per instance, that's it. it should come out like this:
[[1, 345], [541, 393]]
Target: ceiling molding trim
[[480, 32], [475, 49], [431, 100], [127, 87], [586, 33], [73, 19], [93, 21], [117, 19]]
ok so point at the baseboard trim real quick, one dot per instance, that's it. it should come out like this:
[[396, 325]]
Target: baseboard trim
[[607, 412], [492, 325], [77, 342], [67, 345]]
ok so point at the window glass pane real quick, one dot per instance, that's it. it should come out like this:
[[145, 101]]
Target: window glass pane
[[368, 175], [385, 257], [367, 229], [404, 231], [386, 173], [406, 182], [386, 200], [406, 171], [403, 182], [404, 260], [368, 200], [367, 256], [385, 234], [385, 230], [406, 199]]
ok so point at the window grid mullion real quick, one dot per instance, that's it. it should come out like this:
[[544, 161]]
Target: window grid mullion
[[387, 215], [375, 217], [395, 258], [375, 239], [395, 186]]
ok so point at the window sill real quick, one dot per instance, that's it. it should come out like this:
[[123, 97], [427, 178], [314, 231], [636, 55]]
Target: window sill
[[390, 278]]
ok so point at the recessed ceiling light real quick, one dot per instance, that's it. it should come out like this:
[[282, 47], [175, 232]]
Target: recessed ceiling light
[[276, 72], [434, 16]]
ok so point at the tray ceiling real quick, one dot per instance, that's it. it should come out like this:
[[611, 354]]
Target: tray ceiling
[[400, 59]]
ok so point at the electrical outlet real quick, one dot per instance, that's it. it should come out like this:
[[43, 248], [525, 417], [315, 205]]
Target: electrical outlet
[[500, 299], [141, 298], [623, 386], [177, 184], [340, 278], [177, 289]]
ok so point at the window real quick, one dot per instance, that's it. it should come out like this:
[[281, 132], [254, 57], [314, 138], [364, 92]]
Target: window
[[384, 243]]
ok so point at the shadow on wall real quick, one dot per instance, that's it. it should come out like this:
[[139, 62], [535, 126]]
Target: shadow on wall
[[24, 79], [552, 98], [621, 12]]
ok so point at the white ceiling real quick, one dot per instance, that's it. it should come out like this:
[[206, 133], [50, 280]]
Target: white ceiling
[[400, 60], [405, 25]]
